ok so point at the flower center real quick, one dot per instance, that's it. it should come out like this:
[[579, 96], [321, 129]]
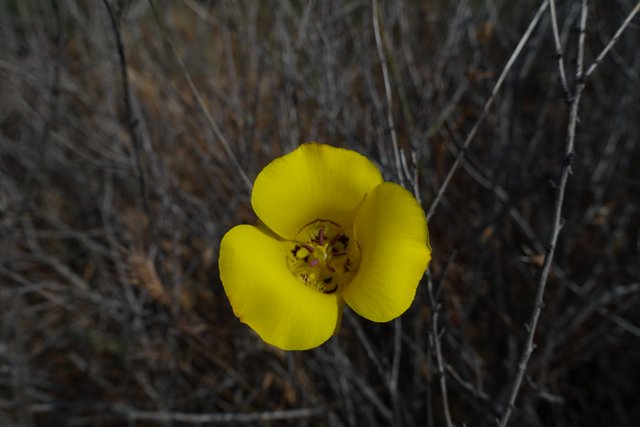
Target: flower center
[[323, 256]]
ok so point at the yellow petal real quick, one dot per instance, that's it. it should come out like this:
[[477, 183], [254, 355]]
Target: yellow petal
[[391, 229], [266, 296], [314, 181]]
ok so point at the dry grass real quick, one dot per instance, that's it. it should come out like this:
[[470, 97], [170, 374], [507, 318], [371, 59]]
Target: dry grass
[[125, 140]]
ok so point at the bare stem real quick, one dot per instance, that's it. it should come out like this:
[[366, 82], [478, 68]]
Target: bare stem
[[435, 344], [196, 94], [613, 40], [387, 89], [132, 121], [556, 226], [487, 106], [558, 44]]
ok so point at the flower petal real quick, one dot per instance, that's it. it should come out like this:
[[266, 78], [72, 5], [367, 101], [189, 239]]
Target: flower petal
[[314, 181], [267, 297], [391, 229]]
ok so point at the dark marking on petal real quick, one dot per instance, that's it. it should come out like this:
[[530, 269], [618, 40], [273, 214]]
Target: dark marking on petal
[[330, 291]]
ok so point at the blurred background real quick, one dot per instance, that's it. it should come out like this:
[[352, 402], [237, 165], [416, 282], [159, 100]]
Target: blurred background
[[129, 131]]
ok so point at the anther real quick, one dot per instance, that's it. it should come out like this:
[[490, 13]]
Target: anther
[[314, 262]]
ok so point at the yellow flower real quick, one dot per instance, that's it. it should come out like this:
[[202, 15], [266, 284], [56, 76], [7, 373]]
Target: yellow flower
[[331, 231]]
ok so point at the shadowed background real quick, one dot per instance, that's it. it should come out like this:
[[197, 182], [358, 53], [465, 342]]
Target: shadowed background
[[129, 129]]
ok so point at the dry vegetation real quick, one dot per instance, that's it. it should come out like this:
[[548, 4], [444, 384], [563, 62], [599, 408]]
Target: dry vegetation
[[128, 130]]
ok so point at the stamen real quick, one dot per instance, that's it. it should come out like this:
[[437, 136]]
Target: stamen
[[321, 237], [307, 247], [314, 262]]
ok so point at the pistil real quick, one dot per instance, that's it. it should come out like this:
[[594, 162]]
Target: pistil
[[323, 256]]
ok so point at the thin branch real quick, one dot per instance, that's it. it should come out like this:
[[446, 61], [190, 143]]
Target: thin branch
[[434, 338], [132, 121], [471, 389], [613, 40], [196, 94], [132, 414], [371, 352], [387, 89], [412, 177], [559, 52], [485, 110], [347, 368], [556, 225], [395, 369]]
